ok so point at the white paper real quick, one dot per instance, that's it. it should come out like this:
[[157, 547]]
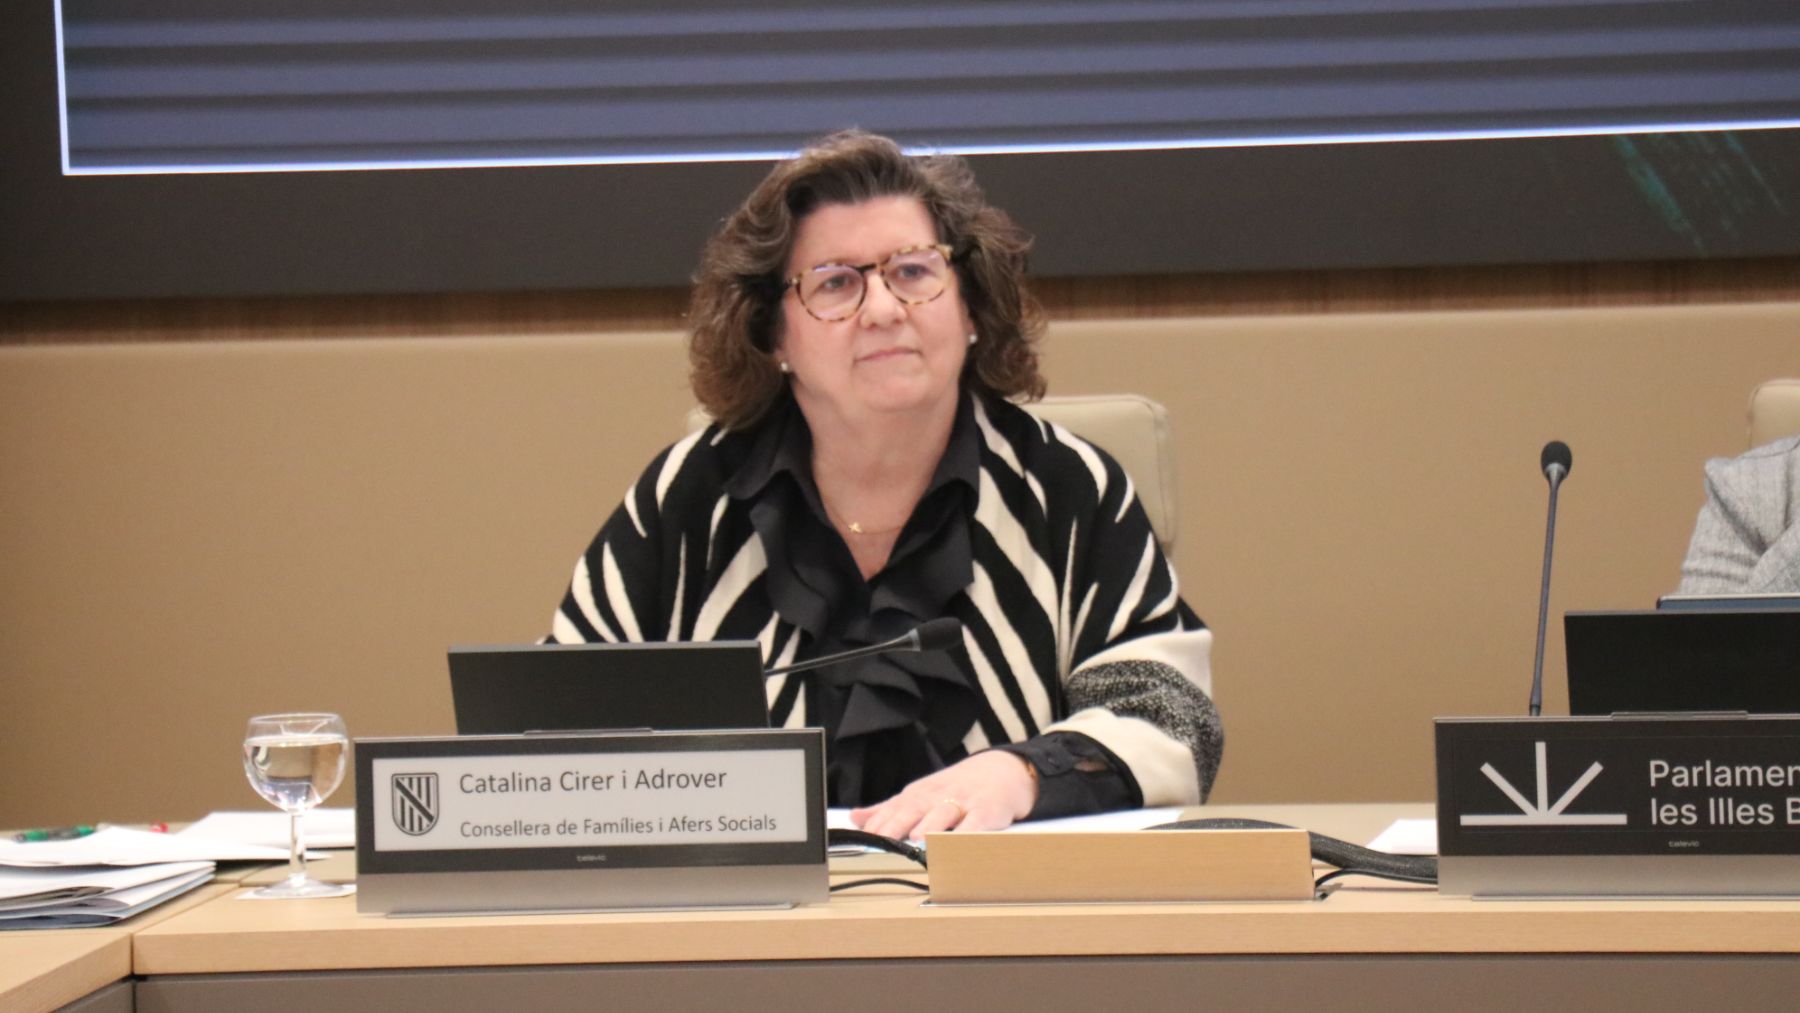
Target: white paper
[[138, 898], [102, 911], [23, 884], [323, 828], [119, 846], [1408, 837], [1124, 819], [97, 887]]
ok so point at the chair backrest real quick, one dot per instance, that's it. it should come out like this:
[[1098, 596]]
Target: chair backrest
[[1130, 427], [1135, 431], [1774, 411]]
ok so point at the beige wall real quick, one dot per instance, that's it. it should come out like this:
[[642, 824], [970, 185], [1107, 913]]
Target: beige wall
[[1362, 513], [195, 532]]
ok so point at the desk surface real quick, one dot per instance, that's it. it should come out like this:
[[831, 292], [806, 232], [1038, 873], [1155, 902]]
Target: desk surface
[[45, 969], [213, 932], [1368, 947], [48, 968], [232, 936], [228, 935]]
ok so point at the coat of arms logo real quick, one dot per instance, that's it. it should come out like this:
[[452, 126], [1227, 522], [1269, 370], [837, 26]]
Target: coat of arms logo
[[415, 803]]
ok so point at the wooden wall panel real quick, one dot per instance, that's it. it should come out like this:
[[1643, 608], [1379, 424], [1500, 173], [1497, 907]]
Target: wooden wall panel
[[199, 531], [1399, 289], [144, 482]]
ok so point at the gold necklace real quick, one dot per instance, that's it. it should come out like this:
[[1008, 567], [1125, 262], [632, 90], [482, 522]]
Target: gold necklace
[[855, 528]]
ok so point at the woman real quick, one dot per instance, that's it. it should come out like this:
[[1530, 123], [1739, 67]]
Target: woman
[[1747, 538], [858, 326]]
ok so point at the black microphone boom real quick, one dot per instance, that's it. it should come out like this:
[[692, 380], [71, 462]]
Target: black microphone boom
[[939, 634], [1555, 463], [935, 635]]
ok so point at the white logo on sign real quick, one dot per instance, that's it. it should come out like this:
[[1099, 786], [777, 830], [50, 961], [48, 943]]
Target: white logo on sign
[[1543, 814]]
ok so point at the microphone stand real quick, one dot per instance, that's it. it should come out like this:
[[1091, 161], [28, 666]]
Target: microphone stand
[[905, 642], [1555, 473]]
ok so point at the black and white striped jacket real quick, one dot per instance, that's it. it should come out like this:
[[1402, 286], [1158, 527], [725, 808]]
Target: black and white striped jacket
[[1073, 621]]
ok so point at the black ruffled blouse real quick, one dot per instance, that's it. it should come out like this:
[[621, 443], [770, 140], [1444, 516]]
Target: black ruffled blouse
[[894, 718]]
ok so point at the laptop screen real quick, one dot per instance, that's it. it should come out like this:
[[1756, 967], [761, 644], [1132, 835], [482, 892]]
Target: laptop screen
[[1684, 660], [584, 687]]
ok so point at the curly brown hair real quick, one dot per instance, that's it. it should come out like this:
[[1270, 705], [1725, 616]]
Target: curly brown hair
[[737, 300]]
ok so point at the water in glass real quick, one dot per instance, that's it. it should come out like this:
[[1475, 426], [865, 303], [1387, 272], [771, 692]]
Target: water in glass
[[296, 761]]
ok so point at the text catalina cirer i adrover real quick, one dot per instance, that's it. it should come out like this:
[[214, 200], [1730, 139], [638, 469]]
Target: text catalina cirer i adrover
[[575, 780]]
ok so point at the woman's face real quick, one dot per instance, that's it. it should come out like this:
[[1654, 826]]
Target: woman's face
[[888, 357]]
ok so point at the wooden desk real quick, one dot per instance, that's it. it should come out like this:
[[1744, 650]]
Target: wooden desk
[[49, 969], [76, 969], [1369, 947], [45, 970]]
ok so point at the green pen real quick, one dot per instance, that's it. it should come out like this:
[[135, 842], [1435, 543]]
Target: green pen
[[54, 834]]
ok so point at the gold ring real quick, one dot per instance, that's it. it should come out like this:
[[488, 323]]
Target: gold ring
[[960, 808]]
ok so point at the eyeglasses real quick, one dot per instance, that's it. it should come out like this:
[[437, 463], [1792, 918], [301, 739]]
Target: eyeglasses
[[914, 274]]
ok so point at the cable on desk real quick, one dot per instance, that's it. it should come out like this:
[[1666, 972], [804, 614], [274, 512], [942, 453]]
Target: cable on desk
[[862, 838], [882, 881], [1319, 883], [1350, 859]]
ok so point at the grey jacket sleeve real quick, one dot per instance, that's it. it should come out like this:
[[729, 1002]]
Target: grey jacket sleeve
[[1747, 539]]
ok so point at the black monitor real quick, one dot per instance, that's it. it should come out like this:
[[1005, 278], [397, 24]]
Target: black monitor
[[1728, 602], [1684, 660], [586, 687]]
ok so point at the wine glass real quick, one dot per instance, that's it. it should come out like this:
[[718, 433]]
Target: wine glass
[[296, 761]]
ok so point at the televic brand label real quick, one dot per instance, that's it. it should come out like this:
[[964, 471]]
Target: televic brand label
[[445, 803]]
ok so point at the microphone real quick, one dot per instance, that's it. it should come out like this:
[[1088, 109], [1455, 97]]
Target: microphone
[[935, 635], [1554, 462]]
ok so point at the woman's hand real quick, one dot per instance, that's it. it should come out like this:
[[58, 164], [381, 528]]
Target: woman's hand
[[988, 791]]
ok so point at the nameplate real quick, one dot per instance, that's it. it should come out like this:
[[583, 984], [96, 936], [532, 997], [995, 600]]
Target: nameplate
[[590, 821], [1139, 865], [1652, 805]]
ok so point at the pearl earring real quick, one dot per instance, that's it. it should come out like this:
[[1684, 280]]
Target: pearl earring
[[784, 367], [972, 337]]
